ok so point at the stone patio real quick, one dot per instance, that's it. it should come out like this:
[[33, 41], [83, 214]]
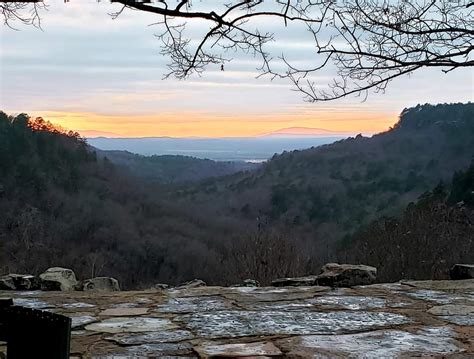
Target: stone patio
[[409, 319]]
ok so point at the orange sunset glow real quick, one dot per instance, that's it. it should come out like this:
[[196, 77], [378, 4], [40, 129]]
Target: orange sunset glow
[[202, 125]]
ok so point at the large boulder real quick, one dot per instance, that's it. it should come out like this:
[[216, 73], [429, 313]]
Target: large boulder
[[6, 283], [462, 271], [58, 278], [19, 282], [100, 284], [333, 275], [346, 275]]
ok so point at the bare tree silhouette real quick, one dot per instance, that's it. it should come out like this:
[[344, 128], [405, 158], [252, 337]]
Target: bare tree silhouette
[[363, 43], [26, 13]]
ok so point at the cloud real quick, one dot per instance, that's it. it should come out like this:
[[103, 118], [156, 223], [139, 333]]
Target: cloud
[[85, 63]]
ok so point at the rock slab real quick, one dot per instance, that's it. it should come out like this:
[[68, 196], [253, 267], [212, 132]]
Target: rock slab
[[334, 275]]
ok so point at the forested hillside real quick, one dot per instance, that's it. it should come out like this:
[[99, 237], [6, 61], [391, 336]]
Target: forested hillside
[[426, 240], [63, 204], [169, 169], [325, 193]]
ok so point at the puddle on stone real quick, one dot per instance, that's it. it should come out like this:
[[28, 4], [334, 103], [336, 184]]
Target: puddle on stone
[[212, 350], [351, 302], [77, 305], [152, 337], [193, 304], [32, 303], [30, 293], [160, 350], [124, 305], [81, 320], [144, 300], [252, 323], [124, 312], [382, 344], [131, 325], [78, 332], [467, 320], [302, 305], [257, 290], [434, 296]]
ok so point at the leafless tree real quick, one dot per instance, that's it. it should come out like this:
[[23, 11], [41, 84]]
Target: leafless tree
[[363, 44], [25, 13]]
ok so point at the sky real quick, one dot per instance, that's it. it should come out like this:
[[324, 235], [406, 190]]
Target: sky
[[88, 72]]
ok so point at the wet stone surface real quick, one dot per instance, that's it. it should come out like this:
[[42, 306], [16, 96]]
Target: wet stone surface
[[254, 323], [412, 319], [351, 302], [378, 344]]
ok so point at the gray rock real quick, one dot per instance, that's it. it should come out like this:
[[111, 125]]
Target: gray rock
[[241, 323], [462, 271], [19, 282], [58, 278], [193, 284], [6, 283], [161, 286], [346, 275], [131, 325], [163, 336], [295, 282], [248, 283], [100, 284], [452, 309]]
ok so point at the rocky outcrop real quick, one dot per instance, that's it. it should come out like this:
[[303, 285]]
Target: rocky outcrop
[[346, 275], [333, 275], [100, 284], [20, 282], [462, 271], [57, 278]]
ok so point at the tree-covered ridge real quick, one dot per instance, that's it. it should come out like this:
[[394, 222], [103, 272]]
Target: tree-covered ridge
[[431, 235], [32, 153], [61, 205], [424, 116], [324, 193], [172, 169]]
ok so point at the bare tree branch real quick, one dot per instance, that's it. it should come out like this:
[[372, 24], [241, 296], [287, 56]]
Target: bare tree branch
[[365, 43]]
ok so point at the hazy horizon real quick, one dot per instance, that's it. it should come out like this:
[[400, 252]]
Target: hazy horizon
[[249, 149]]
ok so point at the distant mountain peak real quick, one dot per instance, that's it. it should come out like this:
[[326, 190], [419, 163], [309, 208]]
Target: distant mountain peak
[[96, 134]]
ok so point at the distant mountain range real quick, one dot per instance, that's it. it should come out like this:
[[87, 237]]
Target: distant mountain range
[[283, 132], [95, 134], [251, 149], [305, 132]]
